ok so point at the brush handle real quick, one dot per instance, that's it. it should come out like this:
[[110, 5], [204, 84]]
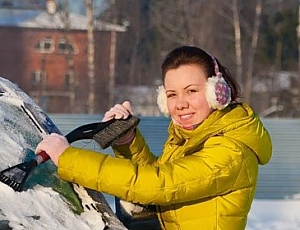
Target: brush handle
[[41, 157]]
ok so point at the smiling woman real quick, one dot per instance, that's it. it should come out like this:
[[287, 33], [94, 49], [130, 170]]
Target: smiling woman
[[207, 172]]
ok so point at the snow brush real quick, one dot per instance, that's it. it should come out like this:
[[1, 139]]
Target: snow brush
[[105, 133]]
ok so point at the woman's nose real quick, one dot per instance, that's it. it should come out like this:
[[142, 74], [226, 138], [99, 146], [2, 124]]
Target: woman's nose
[[181, 103]]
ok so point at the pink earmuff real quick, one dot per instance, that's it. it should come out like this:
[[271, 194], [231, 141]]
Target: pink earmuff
[[218, 92]]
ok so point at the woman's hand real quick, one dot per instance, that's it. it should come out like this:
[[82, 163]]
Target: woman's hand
[[54, 145], [121, 111]]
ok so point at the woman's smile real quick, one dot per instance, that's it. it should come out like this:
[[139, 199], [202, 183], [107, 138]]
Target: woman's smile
[[186, 117]]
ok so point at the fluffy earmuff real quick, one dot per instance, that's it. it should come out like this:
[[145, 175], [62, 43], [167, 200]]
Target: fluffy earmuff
[[162, 100], [218, 92]]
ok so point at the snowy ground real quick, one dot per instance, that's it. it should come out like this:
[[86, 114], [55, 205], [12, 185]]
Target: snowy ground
[[274, 215]]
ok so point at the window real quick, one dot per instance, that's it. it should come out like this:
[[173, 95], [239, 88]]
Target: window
[[69, 80], [65, 47], [45, 45], [37, 77]]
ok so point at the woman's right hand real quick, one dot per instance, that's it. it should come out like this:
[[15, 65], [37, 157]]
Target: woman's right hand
[[54, 145], [121, 111]]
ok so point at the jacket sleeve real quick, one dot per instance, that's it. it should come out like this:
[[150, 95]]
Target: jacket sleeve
[[138, 151], [212, 171]]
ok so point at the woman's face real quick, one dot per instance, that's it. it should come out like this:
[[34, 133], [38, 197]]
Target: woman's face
[[185, 90]]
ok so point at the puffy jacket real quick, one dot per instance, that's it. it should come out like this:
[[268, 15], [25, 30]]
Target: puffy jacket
[[204, 179]]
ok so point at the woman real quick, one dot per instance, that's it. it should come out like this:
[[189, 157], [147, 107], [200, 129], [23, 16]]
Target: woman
[[207, 174]]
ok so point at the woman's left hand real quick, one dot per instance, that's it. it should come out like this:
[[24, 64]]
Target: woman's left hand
[[54, 145], [118, 111], [121, 111]]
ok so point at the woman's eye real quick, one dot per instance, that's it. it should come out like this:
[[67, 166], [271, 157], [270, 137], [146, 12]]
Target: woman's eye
[[170, 95], [192, 91]]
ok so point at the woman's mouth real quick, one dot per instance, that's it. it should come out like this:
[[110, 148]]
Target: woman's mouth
[[185, 117]]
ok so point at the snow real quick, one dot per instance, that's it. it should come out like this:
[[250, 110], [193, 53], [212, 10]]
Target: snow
[[274, 215], [41, 19], [39, 207], [42, 208]]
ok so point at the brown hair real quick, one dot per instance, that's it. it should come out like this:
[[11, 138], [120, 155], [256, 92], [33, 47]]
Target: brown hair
[[185, 55]]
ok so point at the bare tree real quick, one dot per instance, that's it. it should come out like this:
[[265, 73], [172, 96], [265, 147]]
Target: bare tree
[[128, 46], [184, 22], [69, 52], [135, 27], [228, 29], [252, 50], [245, 39], [90, 55], [112, 58], [237, 41]]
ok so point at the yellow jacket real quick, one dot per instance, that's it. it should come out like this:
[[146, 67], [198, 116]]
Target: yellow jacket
[[204, 179]]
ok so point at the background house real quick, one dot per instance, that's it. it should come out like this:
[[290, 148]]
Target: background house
[[45, 50]]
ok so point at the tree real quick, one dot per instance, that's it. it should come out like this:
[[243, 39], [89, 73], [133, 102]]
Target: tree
[[135, 49], [280, 40], [184, 22], [234, 31], [193, 22], [252, 51], [91, 55]]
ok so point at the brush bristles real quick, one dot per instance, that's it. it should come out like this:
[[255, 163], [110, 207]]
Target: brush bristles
[[8, 181], [115, 130]]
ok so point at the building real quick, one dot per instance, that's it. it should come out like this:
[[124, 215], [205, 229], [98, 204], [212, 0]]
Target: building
[[45, 51]]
